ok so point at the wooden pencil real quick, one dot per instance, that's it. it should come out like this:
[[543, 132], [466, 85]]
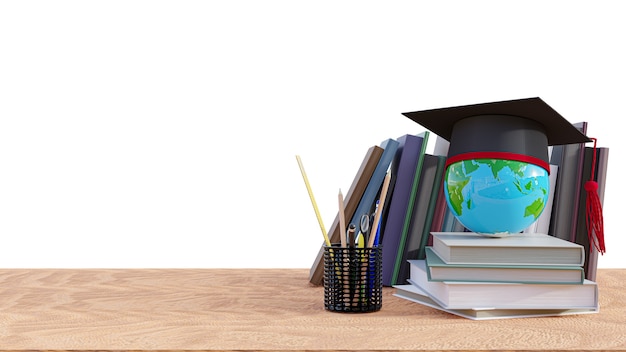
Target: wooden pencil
[[342, 221], [379, 210]]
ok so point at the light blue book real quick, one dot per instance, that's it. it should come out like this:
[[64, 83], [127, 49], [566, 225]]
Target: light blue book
[[369, 198], [438, 270], [516, 249]]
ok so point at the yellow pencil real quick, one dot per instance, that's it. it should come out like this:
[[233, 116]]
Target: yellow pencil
[[317, 212]]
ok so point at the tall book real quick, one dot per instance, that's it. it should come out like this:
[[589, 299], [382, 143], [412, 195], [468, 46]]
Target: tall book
[[529, 248], [542, 224], [594, 169], [409, 248], [402, 173], [569, 159], [438, 270], [367, 203], [440, 211], [432, 206], [351, 201], [601, 174], [451, 223], [503, 295], [441, 149], [415, 294], [402, 199]]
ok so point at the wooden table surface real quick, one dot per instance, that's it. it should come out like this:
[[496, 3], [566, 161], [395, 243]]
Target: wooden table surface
[[263, 309]]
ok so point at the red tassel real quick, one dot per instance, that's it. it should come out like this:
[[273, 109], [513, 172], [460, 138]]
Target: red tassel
[[594, 218]]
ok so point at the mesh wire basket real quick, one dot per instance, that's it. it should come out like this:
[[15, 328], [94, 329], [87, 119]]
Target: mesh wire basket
[[352, 279]]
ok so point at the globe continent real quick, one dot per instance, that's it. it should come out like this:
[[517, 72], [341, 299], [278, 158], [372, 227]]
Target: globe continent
[[495, 196]]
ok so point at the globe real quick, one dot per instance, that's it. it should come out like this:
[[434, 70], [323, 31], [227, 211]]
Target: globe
[[496, 197]]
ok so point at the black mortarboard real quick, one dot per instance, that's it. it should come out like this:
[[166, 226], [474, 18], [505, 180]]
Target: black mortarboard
[[514, 129]]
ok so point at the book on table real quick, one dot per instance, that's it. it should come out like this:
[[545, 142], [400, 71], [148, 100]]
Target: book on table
[[569, 159], [501, 295], [438, 270], [367, 202], [360, 199], [591, 251], [432, 206], [523, 248], [410, 247], [542, 224], [406, 171], [441, 206], [415, 294], [594, 169], [352, 199]]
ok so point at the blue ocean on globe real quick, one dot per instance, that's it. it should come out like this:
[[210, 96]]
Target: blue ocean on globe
[[495, 196]]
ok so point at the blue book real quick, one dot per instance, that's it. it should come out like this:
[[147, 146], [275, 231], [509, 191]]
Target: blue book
[[367, 203], [403, 171]]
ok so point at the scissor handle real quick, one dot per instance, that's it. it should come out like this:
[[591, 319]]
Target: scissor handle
[[365, 223]]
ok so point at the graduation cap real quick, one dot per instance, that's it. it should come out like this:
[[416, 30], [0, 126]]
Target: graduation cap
[[519, 130]]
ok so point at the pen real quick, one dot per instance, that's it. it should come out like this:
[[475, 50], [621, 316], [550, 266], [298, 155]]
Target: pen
[[375, 231], [351, 235], [376, 226]]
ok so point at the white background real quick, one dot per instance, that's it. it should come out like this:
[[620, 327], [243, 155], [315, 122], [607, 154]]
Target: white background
[[164, 133]]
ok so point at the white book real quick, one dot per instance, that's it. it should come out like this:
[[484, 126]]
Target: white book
[[492, 295], [415, 294], [542, 225], [522, 248]]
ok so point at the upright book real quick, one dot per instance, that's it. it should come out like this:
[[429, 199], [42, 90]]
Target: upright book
[[406, 166], [594, 169], [440, 211], [591, 264], [569, 159], [368, 199], [524, 248], [409, 248], [542, 225], [438, 270], [433, 203], [495, 295], [352, 198], [402, 171], [440, 149]]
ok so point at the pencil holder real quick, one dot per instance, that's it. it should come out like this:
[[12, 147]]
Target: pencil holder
[[352, 279]]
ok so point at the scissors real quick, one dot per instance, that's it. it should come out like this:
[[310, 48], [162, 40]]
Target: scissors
[[365, 230]]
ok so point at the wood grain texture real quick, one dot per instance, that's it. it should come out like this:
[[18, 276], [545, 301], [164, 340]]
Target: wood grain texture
[[263, 309]]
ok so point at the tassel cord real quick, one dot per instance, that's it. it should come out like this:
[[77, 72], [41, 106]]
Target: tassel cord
[[594, 218]]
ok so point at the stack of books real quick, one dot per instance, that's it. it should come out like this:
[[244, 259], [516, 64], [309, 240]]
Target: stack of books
[[415, 204], [479, 277]]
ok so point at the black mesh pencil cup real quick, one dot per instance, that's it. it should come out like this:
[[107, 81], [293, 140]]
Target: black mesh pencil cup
[[352, 279]]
